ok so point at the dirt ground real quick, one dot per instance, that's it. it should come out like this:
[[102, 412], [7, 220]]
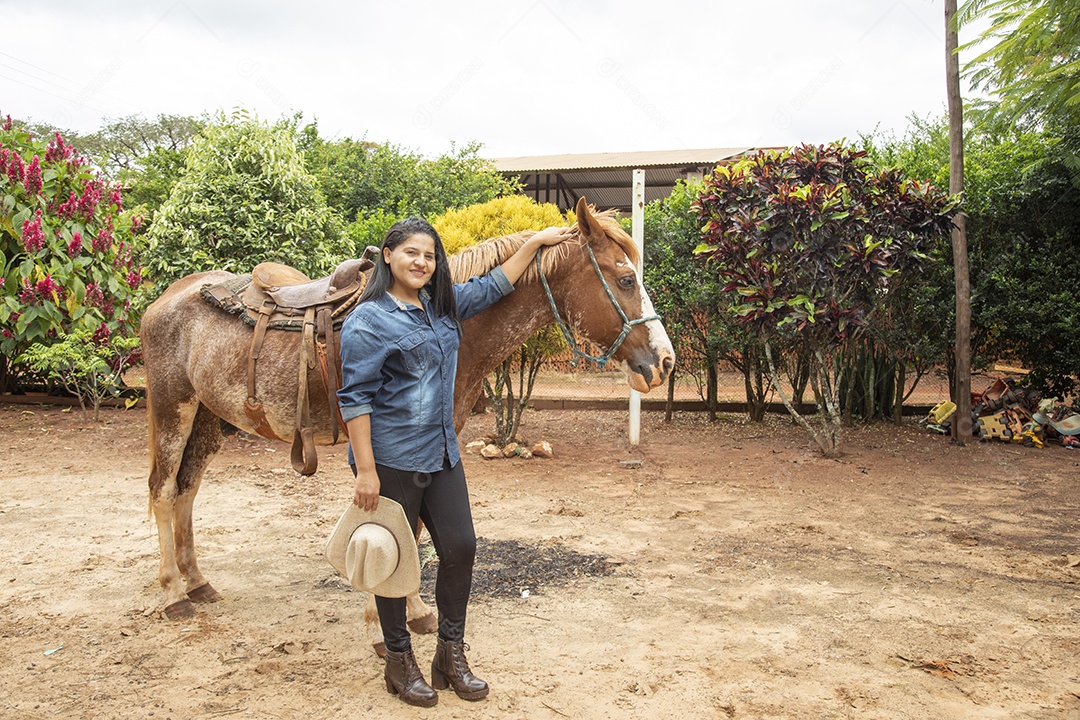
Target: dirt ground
[[749, 578]]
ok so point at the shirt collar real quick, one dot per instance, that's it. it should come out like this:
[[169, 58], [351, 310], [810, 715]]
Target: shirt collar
[[425, 297]]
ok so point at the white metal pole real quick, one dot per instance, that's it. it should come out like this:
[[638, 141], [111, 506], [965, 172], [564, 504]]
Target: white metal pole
[[637, 218]]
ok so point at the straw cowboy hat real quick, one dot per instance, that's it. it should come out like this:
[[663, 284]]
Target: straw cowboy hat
[[376, 551]]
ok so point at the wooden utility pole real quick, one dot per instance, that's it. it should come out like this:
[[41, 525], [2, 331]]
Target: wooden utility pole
[[961, 424]]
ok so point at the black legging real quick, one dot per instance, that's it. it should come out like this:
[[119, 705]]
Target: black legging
[[441, 499]]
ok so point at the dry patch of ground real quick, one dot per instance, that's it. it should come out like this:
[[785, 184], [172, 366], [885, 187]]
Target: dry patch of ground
[[731, 573]]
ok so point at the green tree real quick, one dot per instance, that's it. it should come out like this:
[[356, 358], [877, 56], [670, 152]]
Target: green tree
[[1032, 64], [144, 156], [361, 179], [1024, 231], [812, 239], [68, 258], [89, 369], [244, 197]]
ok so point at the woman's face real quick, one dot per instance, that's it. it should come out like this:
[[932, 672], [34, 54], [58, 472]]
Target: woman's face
[[412, 263]]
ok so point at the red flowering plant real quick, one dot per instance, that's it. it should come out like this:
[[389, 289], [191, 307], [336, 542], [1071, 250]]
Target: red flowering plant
[[67, 259], [814, 241]]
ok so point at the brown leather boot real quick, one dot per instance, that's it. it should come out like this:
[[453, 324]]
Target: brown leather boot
[[451, 668], [403, 679]]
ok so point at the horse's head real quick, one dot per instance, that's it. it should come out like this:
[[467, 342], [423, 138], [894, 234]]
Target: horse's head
[[619, 318]]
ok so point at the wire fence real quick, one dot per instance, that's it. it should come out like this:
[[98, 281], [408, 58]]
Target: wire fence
[[558, 381], [560, 384]]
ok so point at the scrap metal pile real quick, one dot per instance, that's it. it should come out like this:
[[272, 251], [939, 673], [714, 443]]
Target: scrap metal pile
[[1010, 413]]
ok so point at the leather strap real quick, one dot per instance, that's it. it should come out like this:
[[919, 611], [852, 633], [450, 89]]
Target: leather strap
[[253, 408], [304, 458], [330, 363]]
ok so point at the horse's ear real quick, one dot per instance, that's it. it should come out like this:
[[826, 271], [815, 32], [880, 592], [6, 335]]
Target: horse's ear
[[587, 225]]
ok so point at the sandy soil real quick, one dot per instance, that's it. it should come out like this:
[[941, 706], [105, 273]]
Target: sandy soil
[[752, 579]]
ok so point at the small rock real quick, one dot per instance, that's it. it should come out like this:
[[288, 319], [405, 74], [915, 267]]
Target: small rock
[[510, 449], [524, 453], [491, 452], [475, 446], [543, 449]]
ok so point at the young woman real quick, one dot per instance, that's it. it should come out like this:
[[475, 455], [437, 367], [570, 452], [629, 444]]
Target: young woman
[[399, 357]]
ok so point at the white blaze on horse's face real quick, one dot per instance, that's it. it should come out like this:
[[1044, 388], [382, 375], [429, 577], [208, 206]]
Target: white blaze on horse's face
[[644, 378]]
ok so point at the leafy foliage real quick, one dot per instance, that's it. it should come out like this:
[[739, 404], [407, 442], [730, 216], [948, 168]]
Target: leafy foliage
[[362, 179], [1023, 231], [495, 218], [811, 240], [146, 156], [67, 255], [1032, 64], [245, 197], [504, 216], [688, 295], [88, 368]]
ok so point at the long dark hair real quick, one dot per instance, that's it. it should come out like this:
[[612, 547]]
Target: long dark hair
[[440, 287]]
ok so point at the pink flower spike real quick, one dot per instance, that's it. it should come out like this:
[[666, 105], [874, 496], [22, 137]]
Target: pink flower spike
[[75, 246], [16, 170], [33, 239], [32, 183], [101, 335]]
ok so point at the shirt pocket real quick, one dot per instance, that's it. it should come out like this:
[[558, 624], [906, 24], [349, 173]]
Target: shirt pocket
[[448, 335], [414, 351]]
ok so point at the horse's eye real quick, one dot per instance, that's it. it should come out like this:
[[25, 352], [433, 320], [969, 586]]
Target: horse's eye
[[626, 282]]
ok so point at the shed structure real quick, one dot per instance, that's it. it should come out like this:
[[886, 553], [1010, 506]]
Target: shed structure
[[606, 179]]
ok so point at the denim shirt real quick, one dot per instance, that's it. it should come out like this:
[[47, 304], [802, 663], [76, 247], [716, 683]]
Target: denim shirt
[[399, 368]]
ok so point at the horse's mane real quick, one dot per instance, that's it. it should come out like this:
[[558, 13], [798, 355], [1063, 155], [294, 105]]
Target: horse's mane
[[482, 258]]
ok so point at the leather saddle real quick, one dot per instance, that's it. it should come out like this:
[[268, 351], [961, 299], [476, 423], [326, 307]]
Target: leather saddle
[[276, 297]]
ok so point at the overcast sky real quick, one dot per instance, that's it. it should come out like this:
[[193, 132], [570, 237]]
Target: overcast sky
[[523, 78]]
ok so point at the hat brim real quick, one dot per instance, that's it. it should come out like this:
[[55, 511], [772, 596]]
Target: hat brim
[[389, 514]]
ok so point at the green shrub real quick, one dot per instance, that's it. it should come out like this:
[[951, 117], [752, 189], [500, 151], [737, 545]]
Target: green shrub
[[244, 198], [68, 256]]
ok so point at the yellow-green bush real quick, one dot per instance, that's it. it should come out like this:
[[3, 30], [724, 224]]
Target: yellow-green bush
[[495, 218]]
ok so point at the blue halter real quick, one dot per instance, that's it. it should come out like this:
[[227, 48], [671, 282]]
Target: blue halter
[[568, 334]]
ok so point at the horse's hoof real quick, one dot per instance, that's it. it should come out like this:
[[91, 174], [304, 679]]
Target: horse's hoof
[[379, 648], [179, 610], [203, 594], [424, 625]]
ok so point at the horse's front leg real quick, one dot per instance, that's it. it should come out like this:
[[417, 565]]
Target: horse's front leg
[[418, 615]]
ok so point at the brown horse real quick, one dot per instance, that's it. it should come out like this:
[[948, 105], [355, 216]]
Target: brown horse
[[196, 369]]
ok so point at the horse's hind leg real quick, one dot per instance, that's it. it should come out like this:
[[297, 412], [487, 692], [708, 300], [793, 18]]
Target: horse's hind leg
[[203, 443], [169, 427], [184, 438]]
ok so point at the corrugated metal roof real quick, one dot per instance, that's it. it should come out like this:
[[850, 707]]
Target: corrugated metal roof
[[591, 161], [606, 179]]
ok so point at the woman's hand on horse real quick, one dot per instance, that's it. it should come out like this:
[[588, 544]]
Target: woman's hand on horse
[[515, 265], [366, 491], [551, 236]]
